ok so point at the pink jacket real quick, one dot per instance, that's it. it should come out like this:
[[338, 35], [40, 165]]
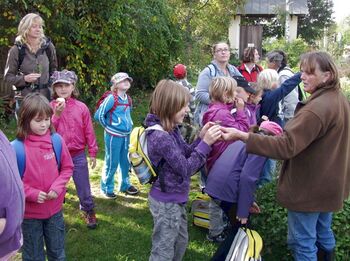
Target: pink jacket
[[75, 126], [41, 174], [218, 111]]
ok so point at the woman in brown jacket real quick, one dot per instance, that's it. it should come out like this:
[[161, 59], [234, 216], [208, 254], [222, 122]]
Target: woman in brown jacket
[[315, 176], [32, 59]]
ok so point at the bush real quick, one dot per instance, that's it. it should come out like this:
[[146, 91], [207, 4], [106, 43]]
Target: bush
[[272, 225]]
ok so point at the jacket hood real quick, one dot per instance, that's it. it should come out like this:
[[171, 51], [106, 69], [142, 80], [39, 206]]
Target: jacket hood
[[151, 119], [44, 45]]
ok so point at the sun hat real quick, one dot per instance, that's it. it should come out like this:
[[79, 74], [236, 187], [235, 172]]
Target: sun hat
[[242, 82], [64, 76], [180, 71], [272, 127], [119, 77]]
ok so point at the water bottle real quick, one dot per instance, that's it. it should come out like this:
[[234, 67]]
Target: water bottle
[[140, 168]]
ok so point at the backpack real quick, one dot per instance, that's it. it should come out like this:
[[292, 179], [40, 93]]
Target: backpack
[[116, 103], [246, 246], [200, 211], [139, 160], [214, 70], [18, 146]]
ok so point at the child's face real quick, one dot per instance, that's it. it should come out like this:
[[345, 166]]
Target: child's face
[[256, 98], [241, 93], [63, 90], [40, 125], [123, 85], [180, 115]]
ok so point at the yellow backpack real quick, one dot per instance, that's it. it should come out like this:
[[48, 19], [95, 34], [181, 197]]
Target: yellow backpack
[[138, 154]]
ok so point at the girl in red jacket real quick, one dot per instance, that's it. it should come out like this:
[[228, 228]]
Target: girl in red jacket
[[44, 181]]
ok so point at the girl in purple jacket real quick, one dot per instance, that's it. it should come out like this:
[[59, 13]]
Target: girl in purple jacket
[[176, 162]]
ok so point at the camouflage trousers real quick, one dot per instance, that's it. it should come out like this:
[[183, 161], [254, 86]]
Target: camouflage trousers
[[170, 235]]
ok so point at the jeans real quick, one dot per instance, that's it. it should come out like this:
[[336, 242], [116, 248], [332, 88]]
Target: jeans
[[307, 231], [267, 172], [36, 231]]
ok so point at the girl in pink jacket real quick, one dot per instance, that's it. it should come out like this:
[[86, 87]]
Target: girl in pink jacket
[[44, 181], [73, 122]]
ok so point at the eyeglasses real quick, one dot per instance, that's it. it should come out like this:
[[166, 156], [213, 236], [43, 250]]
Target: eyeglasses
[[222, 50]]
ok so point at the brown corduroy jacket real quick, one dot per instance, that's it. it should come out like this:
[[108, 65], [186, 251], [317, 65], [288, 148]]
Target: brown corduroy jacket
[[315, 147]]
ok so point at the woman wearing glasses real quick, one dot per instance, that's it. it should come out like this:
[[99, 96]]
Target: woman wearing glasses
[[219, 66]]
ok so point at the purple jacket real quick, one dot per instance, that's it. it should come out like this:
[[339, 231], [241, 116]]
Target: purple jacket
[[222, 112], [181, 161], [233, 177], [251, 112], [11, 198]]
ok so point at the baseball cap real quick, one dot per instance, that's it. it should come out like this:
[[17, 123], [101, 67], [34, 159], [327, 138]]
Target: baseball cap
[[119, 77], [64, 76], [242, 82], [180, 71]]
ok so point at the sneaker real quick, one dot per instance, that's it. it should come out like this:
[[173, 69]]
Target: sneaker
[[216, 239], [109, 195], [90, 219], [132, 190]]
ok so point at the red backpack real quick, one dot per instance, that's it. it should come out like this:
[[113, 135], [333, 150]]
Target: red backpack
[[116, 103]]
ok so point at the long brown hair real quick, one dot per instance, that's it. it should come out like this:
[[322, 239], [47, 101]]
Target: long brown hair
[[34, 104], [167, 99], [311, 60]]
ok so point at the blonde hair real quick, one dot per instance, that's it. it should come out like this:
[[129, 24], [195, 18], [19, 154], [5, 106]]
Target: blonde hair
[[267, 78], [222, 87], [34, 104], [75, 92], [24, 26], [167, 99]]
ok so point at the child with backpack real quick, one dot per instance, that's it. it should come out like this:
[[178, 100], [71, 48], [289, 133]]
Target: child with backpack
[[113, 113], [72, 121], [232, 182], [176, 162], [44, 178]]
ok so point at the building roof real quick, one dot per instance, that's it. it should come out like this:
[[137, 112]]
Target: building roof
[[271, 7]]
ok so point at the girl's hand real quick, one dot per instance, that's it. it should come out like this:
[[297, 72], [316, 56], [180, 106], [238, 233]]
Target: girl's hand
[[32, 77], [242, 220], [60, 105], [205, 129], [92, 162], [42, 197], [254, 209], [212, 135], [239, 103], [52, 195]]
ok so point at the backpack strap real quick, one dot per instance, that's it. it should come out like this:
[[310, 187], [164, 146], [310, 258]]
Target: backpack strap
[[18, 146], [21, 54], [212, 69], [57, 148]]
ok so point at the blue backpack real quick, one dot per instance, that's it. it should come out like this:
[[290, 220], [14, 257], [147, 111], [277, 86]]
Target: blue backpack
[[21, 156]]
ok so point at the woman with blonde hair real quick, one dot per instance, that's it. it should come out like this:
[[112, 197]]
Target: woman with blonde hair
[[32, 59]]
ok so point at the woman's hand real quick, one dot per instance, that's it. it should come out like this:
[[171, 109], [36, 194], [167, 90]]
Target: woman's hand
[[32, 77], [212, 134], [234, 134]]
